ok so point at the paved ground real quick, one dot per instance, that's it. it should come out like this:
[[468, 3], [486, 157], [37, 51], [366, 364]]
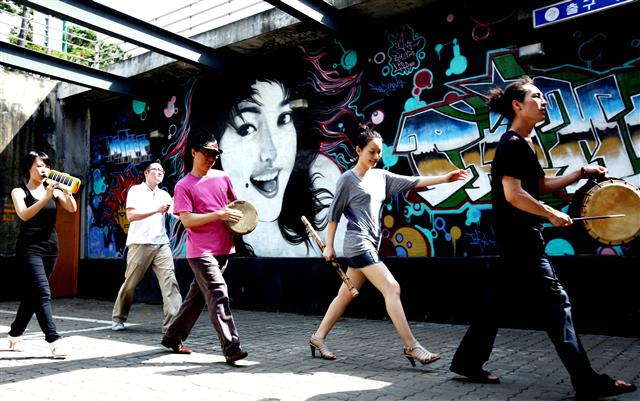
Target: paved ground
[[131, 365]]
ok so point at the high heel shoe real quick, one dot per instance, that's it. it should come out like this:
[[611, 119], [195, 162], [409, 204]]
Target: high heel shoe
[[317, 343], [419, 353], [15, 343]]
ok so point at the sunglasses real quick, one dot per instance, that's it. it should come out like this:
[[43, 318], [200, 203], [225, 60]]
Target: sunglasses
[[209, 152]]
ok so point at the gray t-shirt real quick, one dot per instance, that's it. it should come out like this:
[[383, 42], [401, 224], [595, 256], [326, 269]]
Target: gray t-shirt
[[361, 202]]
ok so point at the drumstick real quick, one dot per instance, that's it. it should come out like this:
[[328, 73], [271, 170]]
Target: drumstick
[[334, 263], [608, 216]]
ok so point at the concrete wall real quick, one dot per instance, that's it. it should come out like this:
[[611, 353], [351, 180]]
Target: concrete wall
[[33, 118], [20, 98], [433, 289]]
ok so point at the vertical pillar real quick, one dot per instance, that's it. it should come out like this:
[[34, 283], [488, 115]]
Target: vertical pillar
[[64, 280]]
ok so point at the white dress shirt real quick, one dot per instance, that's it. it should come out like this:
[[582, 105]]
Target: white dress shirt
[[150, 230]]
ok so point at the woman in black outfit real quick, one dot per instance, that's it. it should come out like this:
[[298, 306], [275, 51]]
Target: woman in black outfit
[[37, 248]]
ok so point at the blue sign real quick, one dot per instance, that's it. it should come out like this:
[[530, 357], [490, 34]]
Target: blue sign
[[568, 9]]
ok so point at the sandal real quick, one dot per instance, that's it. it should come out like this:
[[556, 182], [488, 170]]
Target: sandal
[[476, 375], [317, 343], [418, 352], [605, 386]]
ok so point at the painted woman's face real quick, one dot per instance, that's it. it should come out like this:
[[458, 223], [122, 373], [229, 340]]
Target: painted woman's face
[[260, 148]]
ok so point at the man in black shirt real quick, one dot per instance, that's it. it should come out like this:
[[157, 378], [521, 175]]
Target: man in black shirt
[[517, 181]]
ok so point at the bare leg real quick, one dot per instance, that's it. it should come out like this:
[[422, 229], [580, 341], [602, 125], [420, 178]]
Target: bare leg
[[380, 276], [383, 280], [339, 303]]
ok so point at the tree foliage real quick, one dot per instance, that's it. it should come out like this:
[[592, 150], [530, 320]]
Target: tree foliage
[[8, 6], [82, 44]]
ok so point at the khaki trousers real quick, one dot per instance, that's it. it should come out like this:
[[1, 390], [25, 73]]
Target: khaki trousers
[[139, 258]]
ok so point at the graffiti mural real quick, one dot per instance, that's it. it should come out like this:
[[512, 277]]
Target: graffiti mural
[[590, 122], [125, 137], [285, 123]]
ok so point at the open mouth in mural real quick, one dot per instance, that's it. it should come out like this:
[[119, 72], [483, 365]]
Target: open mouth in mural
[[266, 182]]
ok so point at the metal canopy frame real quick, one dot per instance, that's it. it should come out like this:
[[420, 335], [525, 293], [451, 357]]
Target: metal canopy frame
[[117, 24], [317, 12], [43, 64], [344, 24], [125, 27]]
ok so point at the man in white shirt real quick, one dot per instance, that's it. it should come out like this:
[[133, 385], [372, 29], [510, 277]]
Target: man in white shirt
[[148, 245]]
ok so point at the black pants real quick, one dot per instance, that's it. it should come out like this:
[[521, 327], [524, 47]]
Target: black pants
[[537, 276], [207, 288], [36, 296]]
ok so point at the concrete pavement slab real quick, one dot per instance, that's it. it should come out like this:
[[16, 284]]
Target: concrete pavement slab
[[132, 365]]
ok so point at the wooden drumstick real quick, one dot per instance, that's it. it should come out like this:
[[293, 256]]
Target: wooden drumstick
[[608, 216], [334, 263]]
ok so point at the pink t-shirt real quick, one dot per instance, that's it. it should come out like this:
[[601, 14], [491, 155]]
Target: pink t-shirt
[[204, 195]]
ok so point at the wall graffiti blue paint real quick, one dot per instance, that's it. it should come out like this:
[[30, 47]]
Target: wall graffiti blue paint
[[424, 89]]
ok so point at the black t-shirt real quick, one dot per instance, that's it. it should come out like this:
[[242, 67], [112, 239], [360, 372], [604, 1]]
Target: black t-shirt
[[38, 235], [515, 228]]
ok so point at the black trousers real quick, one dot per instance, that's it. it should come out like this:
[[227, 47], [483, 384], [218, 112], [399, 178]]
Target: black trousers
[[36, 296], [208, 287], [537, 278]]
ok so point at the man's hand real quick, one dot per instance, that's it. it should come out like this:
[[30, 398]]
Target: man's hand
[[163, 208], [594, 171], [559, 219], [230, 214]]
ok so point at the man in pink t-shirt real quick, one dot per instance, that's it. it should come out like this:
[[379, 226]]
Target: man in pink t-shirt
[[200, 200]]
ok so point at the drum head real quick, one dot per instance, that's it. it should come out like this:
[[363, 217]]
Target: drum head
[[249, 219], [612, 197]]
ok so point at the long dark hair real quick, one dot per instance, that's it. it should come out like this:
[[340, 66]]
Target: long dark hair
[[29, 158], [500, 101], [214, 106]]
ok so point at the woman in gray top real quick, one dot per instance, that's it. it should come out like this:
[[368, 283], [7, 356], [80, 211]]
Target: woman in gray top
[[360, 193]]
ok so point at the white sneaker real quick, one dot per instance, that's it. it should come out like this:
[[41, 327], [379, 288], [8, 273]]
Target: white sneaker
[[117, 326], [58, 349], [16, 344]]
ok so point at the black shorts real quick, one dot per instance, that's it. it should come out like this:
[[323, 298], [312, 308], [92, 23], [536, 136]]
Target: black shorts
[[363, 260]]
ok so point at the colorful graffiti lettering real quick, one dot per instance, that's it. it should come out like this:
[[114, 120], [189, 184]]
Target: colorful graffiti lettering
[[432, 115], [387, 88], [127, 148], [439, 137], [405, 52]]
